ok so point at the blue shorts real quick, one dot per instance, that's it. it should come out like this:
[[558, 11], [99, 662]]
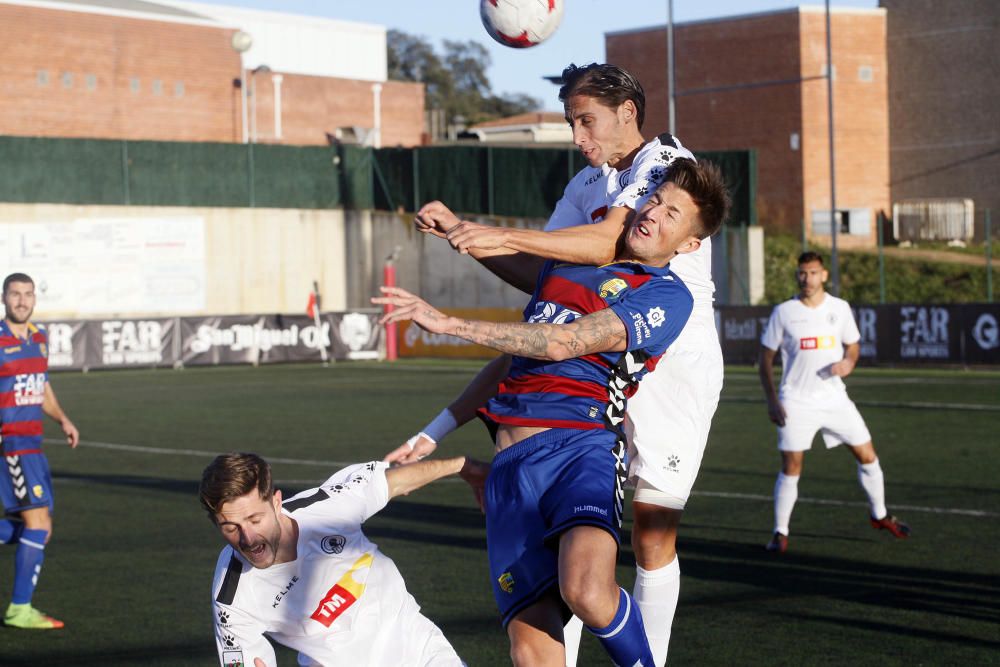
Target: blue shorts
[[538, 489], [25, 483]]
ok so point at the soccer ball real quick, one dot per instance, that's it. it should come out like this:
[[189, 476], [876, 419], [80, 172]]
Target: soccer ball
[[521, 23]]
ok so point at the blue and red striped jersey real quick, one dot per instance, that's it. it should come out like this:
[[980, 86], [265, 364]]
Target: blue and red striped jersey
[[589, 392], [24, 365]]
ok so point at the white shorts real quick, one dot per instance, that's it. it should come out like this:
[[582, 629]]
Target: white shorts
[[670, 415], [839, 422]]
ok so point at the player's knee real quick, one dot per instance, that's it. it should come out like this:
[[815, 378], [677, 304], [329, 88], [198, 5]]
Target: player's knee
[[527, 654], [590, 603]]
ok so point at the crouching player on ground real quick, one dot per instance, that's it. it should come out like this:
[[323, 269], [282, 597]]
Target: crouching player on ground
[[303, 572], [555, 492]]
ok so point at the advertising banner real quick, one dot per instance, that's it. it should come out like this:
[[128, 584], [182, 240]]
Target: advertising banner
[[981, 324], [123, 343], [67, 343], [415, 342]]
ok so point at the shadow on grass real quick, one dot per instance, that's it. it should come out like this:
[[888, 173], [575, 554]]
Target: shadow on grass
[[955, 594]]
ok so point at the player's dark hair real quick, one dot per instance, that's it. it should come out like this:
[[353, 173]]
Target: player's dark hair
[[810, 256], [704, 182], [608, 83], [16, 278], [231, 476]]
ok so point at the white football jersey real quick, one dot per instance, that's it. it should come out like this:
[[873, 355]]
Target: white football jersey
[[810, 340], [341, 601], [593, 190]]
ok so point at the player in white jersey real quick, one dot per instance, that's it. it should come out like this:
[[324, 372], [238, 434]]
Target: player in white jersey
[[818, 339], [670, 415], [303, 573]]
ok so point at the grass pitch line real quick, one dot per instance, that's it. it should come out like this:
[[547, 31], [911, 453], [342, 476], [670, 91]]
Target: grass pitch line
[[847, 503], [334, 465], [193, 452]]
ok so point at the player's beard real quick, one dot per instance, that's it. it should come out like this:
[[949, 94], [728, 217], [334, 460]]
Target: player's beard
[[263, 558], [21, 316]]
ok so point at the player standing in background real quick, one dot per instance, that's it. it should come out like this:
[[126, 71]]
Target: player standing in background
[[25, 482], [670, 416], [818, 339], [304, 573], [554, 496]]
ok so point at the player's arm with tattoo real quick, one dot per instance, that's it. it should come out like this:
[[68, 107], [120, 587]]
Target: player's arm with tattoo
[[602, 331]]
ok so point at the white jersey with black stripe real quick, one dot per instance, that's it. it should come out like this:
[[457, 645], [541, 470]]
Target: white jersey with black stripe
[[593, 190], [340, 600]]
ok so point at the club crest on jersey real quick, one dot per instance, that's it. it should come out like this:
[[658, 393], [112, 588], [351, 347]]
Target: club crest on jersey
[[612, 287], [333, 544], [506, 581], [831, 318], [656, 316]]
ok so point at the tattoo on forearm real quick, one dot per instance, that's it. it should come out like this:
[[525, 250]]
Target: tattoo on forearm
[[598, 332]]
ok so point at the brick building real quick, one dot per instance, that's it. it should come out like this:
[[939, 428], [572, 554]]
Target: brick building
[[944, 101], [128, 69], [758, 81]]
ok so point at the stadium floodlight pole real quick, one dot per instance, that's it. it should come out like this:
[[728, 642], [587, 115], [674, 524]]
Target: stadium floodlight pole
[[834, 263], [670, 68]]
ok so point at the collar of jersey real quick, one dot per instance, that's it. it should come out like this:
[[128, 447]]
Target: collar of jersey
[[638, 267]]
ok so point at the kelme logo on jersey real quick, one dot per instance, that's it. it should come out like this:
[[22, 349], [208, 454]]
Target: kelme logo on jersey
[[506, 581], [333, 544], [817, 343], [612, 287], [343, 594]]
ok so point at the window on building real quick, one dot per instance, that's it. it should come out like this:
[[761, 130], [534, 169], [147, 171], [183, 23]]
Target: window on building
[[42, 77], [133, 84], [866, 74], [179, 89], [157, 87], [67, 79], [91, 82]]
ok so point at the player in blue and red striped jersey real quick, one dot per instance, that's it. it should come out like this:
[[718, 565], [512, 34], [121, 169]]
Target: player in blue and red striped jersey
[[554, 495], [25, 481]]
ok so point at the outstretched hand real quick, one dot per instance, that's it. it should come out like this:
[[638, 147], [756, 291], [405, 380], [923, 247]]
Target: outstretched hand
[[475, 473], [466, 236], [436, 219], [411, 451], [411, 307]]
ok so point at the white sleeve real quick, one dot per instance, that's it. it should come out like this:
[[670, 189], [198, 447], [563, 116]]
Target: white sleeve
[[239, 638], [649, 170], [357, 492], [849, 334], [771, 338], [566, 214]]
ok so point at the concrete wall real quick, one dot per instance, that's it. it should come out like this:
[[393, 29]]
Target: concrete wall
[[256, 260]]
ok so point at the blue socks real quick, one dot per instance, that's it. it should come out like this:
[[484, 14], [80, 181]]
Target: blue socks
[[625, 638], [28, 564]]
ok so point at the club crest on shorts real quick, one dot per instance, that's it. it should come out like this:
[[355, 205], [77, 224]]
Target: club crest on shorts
[[37, 490], [506, 581]]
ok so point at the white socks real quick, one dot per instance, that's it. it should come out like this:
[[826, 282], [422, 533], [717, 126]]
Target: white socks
[[786, 492], [571, 638], [656, 593], [870, 477]]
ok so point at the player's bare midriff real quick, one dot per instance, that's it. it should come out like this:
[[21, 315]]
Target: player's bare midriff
[[508, 435]]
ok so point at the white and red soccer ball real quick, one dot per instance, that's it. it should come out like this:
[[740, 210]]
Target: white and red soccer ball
[[521, 23]]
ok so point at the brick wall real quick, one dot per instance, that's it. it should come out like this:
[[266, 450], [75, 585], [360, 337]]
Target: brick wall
[[77, 74], [944, 101], [737, 88]]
